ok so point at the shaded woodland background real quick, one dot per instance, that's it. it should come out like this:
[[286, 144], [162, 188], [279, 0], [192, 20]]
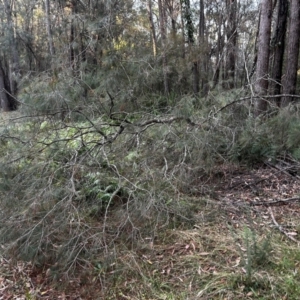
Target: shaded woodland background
[[139, 51]]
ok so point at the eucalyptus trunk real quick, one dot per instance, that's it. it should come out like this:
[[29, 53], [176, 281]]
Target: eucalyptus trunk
[[278, 46], [162, 26], [231, 33], [14, 64], [290, 80], [3, 95], [220, 47], [263, 55], [72, 36], [48, 28], [152, 27], [191, 42], [203, 44]]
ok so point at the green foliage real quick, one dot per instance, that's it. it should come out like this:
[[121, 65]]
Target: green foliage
[[75, 189], [257, 254], [254, 145], [53, 94], [98, 193], [257, 141]]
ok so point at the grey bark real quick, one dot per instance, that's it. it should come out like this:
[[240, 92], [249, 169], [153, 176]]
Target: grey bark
[[152, 27], [263, 53], [14, 59], [72, 36], [290, 80], [231, 33], [190, 35], [48, 28], [3, 96], [203, 65], [278, 46], [219, 50], [162, 26]]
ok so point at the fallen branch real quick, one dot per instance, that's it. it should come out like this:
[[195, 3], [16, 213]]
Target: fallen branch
[[271, 203], [280, 227], [255, 97], [284, 170], [164, 121]]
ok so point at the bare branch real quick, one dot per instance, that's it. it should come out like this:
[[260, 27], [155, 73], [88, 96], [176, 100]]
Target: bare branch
[[280, 227], [275, 202]]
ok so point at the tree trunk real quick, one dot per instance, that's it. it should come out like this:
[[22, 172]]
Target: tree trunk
[[188, 20], [173, 9], [263, 53], [190, 34], [14, 59], [152, 27], [72, 35], [203, 44], [196, 78], [3, 96], [182, 32], [278, 45], [220, 46], [290, 80], [7, 101], [231, 33], [163, 43], [48, 28]]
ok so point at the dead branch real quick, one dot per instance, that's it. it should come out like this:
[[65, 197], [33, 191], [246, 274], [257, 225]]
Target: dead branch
[[255, 97], [284, 170], [164, 121], [280, 227], [275, 202]]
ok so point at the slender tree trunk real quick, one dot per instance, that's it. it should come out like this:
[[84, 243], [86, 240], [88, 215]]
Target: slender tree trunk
[[3, 95], [174, 29], [48, 28], [231, 33], [164, 45], [253, 69], [14, 59], [188, 20], [173, 8], [7, 101], [72, 35], [201, 20], [278, 46], [290, 80], [190, 35], [203, 45], [152, 27], [195, 68], [196, 78], [263, 53], [220, 46], [182, 31], [83, 46]]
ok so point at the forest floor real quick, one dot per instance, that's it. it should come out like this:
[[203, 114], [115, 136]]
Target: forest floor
[[242, 245]]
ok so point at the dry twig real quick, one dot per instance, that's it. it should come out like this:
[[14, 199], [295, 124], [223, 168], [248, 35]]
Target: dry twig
[[270, 203], [280, 227]]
